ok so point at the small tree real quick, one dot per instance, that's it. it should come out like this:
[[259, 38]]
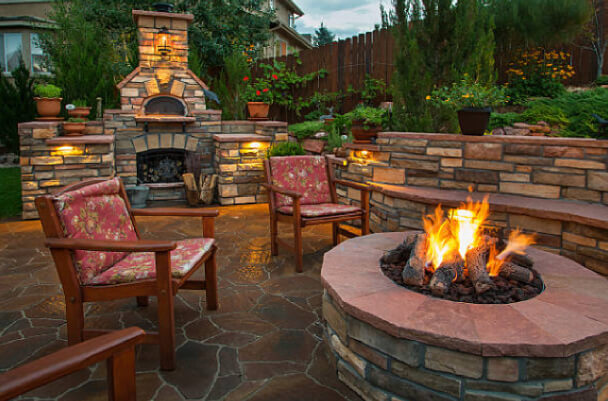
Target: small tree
[[598, 34], [231, 85], [323, 36]]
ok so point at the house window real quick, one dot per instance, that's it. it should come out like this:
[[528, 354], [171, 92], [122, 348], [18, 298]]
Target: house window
[[10, 51], [38, 57], [292, 20]]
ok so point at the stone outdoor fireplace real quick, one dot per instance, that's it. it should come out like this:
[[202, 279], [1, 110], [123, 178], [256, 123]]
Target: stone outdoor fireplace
[[162, 127]]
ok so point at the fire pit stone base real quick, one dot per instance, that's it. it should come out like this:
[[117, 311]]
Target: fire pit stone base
[[393, 344]]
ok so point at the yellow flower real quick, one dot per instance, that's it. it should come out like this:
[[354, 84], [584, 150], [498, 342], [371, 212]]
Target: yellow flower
[[428, 97]]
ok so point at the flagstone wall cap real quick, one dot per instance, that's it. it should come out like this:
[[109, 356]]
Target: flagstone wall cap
[[241, 138], [137, 13], [81, 140], [594, 215], [537, 140]]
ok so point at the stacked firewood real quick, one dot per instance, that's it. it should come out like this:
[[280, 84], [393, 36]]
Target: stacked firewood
[[412, 255]]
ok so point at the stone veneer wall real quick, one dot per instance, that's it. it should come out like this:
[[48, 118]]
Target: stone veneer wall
[[50, 161], [239, 159], [380, 367], [551, 168], [569, 169]]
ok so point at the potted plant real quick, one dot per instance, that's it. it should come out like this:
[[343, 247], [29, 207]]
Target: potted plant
[[259, 95], [48, 101], [473, 102], [80, 109], [366, 122], [74, 126]]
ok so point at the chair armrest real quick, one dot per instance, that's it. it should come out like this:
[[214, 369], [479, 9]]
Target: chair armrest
[[110, 246], [67, 360], [286, 192], [177, 212], [352, 184]]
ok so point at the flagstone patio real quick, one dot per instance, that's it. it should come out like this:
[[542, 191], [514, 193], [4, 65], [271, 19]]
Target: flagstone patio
[[264, 343]]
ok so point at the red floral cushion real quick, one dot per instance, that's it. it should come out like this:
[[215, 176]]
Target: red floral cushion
[[306, 175], [322, 209], [95, 212], [141, 265]]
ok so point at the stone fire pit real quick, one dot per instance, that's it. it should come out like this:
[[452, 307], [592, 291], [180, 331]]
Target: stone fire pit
[[394, 344]]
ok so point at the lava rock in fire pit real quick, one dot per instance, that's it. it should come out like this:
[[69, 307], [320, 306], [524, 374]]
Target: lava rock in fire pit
[[516, 280]]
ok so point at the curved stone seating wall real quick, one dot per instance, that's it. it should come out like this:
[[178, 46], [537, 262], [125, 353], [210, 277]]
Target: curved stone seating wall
[[394, 344], [413, 173]]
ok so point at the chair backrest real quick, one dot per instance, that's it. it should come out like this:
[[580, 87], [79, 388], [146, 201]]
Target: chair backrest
[[306, 175], [99, 212]]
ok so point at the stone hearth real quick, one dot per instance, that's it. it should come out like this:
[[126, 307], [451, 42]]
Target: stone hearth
[[395, 344]]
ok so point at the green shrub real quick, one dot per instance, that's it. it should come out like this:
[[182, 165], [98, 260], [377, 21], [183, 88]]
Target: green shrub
[[47, 90], [498, 120], [602, 80], [370, 116], [17, 105], [286, 149], [80, 103], [468, 93], [10, 191], [306, 129], [76, 120], [231, 84], [548, 112]]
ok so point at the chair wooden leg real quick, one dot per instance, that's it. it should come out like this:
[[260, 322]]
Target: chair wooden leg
[[365, 224], [166, 317], [274, 246], [211, 282], [297, 235], [335, 234], [121, 376], [142, 301], [75, 321]]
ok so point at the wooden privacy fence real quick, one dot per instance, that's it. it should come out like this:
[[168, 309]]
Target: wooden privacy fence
[[348, 61]]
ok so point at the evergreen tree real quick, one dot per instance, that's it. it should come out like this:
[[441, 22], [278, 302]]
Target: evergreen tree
[[437, 42], [323, 36]]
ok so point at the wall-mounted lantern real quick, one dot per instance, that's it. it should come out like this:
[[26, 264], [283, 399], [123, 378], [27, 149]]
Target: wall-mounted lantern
[[163, 40]]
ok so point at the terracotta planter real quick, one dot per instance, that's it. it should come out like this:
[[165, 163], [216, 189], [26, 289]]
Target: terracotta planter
[[258, 110], [48, 107], [80, 112], [474, 121], [73, 129], [363, 134]]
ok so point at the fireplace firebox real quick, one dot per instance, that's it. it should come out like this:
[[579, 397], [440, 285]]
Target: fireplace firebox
[[161, 166]]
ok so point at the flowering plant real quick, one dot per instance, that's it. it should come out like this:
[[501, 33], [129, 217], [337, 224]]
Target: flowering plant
[[539, 72], [261, 89], [467, 93]]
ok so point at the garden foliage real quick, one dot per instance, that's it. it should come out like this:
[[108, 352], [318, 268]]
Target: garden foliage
[[437, 42], [230, 86], [306, 129], [286, 149], [570, 113], [17, 105]]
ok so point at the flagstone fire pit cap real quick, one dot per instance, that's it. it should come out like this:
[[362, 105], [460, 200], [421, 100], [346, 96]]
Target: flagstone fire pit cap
[[570, 316]]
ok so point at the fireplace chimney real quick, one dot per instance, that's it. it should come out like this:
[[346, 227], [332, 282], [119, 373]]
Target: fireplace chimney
[[163, 37]]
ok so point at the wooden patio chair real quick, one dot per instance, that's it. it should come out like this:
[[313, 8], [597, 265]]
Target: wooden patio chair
[[99, 255], [302, 191], [118, 348]]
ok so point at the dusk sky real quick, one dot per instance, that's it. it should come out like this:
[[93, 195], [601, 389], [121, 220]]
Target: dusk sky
[[345, 18]]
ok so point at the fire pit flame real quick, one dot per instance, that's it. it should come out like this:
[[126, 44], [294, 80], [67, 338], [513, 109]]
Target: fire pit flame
[[452, 237], [459, 251]]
